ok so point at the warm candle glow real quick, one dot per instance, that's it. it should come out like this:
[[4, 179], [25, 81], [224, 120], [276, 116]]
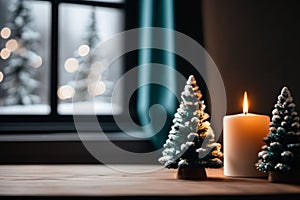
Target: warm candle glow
[[243, 134], [245, 105]]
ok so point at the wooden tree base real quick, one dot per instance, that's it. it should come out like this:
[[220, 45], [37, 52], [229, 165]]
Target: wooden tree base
[[281, 177], [191, 173]]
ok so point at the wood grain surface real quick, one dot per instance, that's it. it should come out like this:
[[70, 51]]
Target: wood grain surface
[[148, 180]]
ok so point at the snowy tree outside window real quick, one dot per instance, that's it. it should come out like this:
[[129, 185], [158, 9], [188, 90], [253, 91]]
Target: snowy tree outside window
[[24, 57], [82, 75]]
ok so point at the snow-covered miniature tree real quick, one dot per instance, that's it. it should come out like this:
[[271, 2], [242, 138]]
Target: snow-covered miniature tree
[[20, 73], [282, 150], [191, 141], [91, 66]]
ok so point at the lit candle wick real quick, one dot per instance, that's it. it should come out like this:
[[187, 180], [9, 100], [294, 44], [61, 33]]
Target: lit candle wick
[[245, 105]]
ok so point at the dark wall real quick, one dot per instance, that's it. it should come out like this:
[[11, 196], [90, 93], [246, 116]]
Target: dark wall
[[256, 46]]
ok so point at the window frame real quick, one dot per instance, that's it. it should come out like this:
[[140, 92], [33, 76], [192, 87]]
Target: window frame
[[39, 139], [55, 122]]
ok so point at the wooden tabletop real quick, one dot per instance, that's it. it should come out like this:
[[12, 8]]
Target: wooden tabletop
[[150, 180]]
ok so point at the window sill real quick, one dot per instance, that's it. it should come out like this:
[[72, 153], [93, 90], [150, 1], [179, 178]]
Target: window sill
[[72, 136], [66, 148]]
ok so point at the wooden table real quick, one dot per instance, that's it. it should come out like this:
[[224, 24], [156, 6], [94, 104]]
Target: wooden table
[[90, 181]]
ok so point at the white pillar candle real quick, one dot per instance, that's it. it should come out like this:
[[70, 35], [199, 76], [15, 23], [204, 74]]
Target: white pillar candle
[[243, 137]]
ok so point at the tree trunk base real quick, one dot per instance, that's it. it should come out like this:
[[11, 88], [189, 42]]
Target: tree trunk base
[[288, 177], [191, 173]]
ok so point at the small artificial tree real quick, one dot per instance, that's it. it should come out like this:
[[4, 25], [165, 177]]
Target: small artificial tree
[[281, 154], [21, 74], [191, 145]]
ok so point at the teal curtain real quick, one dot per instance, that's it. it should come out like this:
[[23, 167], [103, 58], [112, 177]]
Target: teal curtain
[[156, 13]]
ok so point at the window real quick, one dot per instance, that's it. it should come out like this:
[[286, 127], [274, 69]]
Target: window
[[82, 28], [48, 56], [25, 61]]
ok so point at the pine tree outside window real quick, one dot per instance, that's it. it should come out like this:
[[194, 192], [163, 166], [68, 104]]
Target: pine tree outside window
[[81, 61], [24, 61]]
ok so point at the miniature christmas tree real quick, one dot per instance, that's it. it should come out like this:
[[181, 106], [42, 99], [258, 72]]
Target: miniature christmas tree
[[91, 66], [21, 82], [191, 142], [281, 154]]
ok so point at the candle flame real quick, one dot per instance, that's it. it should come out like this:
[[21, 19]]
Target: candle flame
[[245, 105]]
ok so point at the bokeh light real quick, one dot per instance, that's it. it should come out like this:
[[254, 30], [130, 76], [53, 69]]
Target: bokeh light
[[12, 45], [83, 50], [97, 88], [1, 76], [5, 53], [93, 76], [97, 66], [21, 51], [71, 65], [65, 92], [5, 32], [37, 62]]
